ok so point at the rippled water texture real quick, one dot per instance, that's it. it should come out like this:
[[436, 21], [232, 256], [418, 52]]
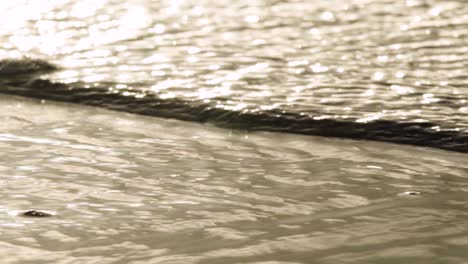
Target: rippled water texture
[[373, 65], [129, 189], [125, 188]]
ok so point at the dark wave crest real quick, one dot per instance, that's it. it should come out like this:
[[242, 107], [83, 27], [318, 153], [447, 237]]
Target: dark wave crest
[[147, 103], [13, 67]]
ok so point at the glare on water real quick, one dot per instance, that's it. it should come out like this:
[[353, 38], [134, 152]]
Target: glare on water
[[130, 189]]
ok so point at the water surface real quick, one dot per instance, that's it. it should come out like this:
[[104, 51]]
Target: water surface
[[126, 188], [129, 189], [391, 71]]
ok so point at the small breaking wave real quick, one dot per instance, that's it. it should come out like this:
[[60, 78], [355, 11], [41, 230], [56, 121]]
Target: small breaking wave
[[274, 120], [13, 67]]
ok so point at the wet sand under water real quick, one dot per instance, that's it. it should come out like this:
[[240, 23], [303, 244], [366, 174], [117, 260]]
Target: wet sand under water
[[133, 189]]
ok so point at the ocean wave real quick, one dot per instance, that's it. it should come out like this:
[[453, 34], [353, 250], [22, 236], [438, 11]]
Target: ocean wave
[[276, 120], [13, 67]]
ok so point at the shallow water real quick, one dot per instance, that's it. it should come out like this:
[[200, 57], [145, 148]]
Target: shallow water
[[126, 188], [130, 189], [392, 71]]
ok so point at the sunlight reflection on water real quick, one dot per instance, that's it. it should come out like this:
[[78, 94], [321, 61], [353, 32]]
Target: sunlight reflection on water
[[130, 189]]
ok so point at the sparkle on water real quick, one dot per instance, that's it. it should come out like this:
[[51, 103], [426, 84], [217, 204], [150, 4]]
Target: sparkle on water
[[363, 60], [129, 189]]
